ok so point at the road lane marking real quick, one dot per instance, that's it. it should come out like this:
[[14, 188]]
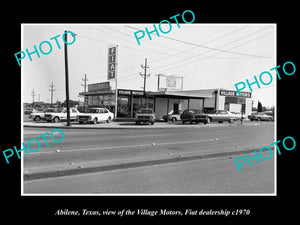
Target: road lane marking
[[124, 146]]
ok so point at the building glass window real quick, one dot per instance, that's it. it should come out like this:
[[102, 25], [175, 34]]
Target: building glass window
[[123, 106], [140, 102]]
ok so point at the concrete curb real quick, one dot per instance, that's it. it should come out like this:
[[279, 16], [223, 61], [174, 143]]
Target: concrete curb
[[122, 126], [94, 169]]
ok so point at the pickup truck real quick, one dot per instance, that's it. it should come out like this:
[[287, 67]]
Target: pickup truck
[[59, 116]]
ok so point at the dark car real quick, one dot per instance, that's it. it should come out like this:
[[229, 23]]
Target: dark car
[[193, 115], [144, 115]]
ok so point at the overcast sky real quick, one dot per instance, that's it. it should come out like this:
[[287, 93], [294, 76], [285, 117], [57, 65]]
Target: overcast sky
[[206, 55]]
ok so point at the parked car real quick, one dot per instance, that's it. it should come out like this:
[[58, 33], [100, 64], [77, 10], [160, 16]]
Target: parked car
[[37, 116], [95, 115], [27, 111], [238, 116], [220, 116], [62, 115], [260, 116], [193, 115], [172, 117], [144, 115]]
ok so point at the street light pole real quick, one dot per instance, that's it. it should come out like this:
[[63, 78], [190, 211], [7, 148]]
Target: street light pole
[[67, 81]]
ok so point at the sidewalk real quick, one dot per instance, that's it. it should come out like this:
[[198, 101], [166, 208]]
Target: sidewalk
[[132, 125]]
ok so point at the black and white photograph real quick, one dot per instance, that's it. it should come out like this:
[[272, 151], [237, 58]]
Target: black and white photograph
[[149, 113], [167, 109]]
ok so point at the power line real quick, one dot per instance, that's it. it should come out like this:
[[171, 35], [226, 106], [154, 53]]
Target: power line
[[175, 64], [203, 46], [191, 61], [109, 43]]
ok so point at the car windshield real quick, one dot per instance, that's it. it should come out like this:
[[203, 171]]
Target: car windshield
[[93, 111], [145, 111]]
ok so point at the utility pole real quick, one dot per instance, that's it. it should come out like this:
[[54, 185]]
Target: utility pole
[[67, 80], [145, 76], [51, 90], [84, 85], [32, 94], [84, 80]]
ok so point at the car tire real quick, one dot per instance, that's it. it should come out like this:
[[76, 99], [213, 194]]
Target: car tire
[[81, 122], [95, 121], [258, 119], [230, 121], [108, 120], [56, 119], [152, 123], [37, 118], [174, 120]]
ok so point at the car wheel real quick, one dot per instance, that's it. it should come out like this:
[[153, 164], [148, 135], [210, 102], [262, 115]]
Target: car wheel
[[152, 123], [230, 121], [81, 122], [174, 120], [95, 121], [37, 118], [56, 119], [258, 119], [108, 120]]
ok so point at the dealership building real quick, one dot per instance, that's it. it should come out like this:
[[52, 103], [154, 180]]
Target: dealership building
[[165, 101]]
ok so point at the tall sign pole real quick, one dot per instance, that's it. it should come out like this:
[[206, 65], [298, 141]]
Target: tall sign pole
[[112, 71], [67, 80]]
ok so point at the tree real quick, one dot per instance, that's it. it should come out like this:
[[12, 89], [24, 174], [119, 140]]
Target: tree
[[259, 107]]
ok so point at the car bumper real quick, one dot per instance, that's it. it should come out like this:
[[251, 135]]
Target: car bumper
[[145, 120]]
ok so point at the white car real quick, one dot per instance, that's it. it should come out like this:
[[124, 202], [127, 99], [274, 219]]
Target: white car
[[37, 116], [95, 115], [59, 116]]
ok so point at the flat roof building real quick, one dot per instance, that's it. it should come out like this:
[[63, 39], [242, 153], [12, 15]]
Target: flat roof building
[[166, 102]]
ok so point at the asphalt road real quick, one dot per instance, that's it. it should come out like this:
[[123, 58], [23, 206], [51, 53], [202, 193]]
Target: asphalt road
[[82, 148], [210, 176]]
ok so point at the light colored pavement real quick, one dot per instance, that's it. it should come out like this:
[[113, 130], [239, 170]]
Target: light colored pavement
[[209, 176], [93, 147]]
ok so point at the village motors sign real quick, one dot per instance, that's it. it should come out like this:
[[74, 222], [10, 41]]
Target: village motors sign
[[235, 93]]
